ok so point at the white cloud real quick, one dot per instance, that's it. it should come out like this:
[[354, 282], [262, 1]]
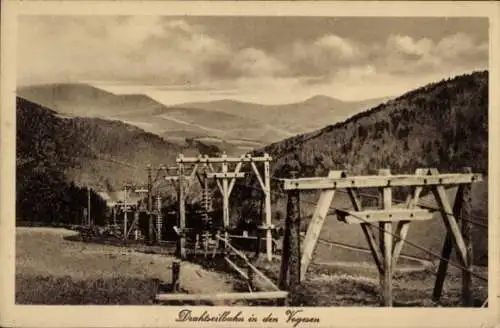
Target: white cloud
[[336, 46], [255, 62], [408, 46]]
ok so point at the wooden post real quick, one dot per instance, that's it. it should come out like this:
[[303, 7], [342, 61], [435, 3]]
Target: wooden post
[[293, 225], [176, 270], [150, 206], [158, 219], [386, 243], [182, 211], [464, 214], [267, 192], [225, 199], [89, 223], [125, 213]]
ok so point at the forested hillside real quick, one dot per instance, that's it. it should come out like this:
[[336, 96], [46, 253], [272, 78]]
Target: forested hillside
[[57, 157], [443, 125]]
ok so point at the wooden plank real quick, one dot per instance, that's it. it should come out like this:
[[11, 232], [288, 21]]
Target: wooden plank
[[236, 268], [367, 231], [375, 181], [386, 236], [403, 226], [314, 228], [222, 296], [395, 215]]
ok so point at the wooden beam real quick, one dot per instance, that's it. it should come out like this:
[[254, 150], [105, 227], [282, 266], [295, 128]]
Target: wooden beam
[[314, 228], [367, 231], [375, 181], [220, 175], [442, 268], [248, 263], [236, 268], [222, 296], [257, 174], [207, 160], [394, 215]]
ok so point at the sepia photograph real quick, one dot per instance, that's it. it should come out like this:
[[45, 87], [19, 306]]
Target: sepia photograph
[[276, 161]]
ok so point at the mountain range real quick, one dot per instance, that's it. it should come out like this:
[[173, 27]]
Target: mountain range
[[236, 127]]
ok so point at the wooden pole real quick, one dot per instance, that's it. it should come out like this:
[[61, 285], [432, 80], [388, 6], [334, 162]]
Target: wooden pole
[[182, 212], [176, 270], [89, 223], [386, 241], [125, 218], [293, 224], [150, 206], [158, 219], [285, 252], [464, 214], [267, 191], [225, 199]]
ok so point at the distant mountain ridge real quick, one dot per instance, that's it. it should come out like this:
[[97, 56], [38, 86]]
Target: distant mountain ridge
[[223, 119]]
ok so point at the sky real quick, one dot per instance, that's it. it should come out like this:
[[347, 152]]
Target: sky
[[177, 59]]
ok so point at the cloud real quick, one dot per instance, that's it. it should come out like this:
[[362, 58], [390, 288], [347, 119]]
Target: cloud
[[150, 49], [175, 51], [255, 62]]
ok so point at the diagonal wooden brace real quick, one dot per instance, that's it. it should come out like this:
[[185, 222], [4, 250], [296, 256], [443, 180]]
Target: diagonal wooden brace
[[367, 231], [403, 226]]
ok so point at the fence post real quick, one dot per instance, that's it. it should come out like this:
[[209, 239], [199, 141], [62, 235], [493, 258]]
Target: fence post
[[176, 270], [466, 230], [182, 211], [150, 206]]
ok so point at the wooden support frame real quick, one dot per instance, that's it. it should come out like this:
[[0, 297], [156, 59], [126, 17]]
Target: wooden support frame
[[389, 249], [226, 181]]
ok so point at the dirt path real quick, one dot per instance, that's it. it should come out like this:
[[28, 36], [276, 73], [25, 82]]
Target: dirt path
[[44, 251]]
